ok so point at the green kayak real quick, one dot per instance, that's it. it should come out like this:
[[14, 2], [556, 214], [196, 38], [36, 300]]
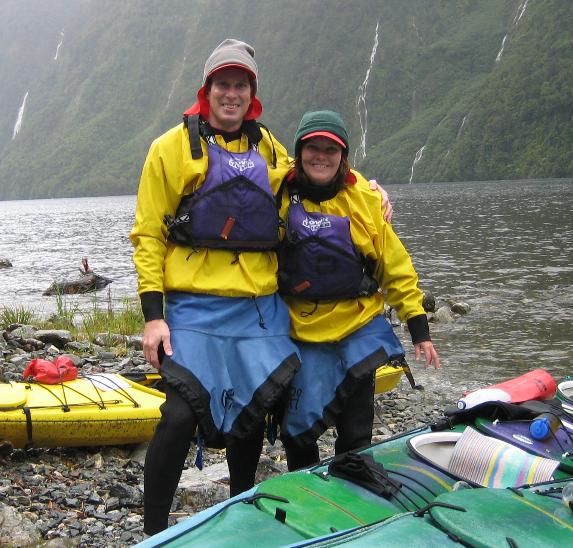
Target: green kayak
[[416, 476], [483, 518]]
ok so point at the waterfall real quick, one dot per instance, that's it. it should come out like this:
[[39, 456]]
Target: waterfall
[[174, 84], [417, 158], [18, 124], [361, 102], [520, 12], [416, 30], [499, 54], [59, 45], [462, 126]]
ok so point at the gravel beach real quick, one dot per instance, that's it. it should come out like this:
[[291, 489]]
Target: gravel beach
[[93, 497]]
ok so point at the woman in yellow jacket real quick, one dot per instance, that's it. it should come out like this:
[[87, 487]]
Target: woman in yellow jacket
[[339, 262], [205, 234]]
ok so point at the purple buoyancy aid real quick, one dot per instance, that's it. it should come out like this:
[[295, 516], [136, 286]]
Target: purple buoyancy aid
[[233, 209], [318, 260]]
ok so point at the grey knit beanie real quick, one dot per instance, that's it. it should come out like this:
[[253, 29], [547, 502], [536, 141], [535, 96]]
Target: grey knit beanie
[[231, 52]]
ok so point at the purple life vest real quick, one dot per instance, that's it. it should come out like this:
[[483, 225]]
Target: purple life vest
[[318, 260], [233, 209]]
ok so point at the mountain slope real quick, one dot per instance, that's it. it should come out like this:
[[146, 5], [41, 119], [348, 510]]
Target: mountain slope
[[407, 76]]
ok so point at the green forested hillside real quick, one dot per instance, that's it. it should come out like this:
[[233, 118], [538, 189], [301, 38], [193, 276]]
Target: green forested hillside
[[408, 76]]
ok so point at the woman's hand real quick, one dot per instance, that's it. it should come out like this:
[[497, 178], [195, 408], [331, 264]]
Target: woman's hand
[[430, 353], [385, 200], [156, 332]]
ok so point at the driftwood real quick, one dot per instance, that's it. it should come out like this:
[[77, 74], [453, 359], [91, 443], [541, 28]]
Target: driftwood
[[87, 282]]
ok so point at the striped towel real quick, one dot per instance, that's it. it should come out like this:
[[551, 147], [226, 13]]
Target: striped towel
[[495, 463]]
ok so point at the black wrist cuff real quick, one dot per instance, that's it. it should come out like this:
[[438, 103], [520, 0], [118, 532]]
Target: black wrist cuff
[[152, 305], [419, 329]]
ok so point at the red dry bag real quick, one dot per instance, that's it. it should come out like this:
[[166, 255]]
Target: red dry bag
[[47, 372]]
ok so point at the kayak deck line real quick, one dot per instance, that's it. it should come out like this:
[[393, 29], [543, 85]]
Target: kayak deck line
[[334, 504]]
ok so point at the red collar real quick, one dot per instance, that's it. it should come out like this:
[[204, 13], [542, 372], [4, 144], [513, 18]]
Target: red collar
[[201, 106]]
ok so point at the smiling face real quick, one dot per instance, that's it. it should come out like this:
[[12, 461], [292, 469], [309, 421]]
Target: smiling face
[[229, 98], [320, 158]]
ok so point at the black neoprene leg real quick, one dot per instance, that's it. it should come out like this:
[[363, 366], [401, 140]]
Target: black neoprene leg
[[354, 424], [300, 457], [165, 459], [242, 459]]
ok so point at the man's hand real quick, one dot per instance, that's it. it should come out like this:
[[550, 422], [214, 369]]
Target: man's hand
[[385, 200], [430, 353], [156, 332]]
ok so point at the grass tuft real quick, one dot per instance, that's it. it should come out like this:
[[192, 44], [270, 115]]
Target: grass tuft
[[100, 317], [17, 314]]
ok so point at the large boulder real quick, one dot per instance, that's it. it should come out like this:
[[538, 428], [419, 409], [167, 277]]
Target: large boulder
[[87, 281], [57, 337], [16, 530]]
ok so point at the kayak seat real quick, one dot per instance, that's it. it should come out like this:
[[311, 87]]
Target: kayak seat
[[494, 463]]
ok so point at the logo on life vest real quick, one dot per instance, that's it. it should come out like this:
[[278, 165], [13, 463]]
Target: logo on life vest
[[316, 224], [241, 165]]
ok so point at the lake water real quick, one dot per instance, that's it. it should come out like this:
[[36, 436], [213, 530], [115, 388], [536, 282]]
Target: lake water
[[505, 248]]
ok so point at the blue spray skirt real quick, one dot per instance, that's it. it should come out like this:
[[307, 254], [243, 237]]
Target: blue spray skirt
[[232, 359]]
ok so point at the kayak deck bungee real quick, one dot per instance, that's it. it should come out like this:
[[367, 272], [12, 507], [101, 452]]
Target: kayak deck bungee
[[504, 517], [99, 409], [399, 530]]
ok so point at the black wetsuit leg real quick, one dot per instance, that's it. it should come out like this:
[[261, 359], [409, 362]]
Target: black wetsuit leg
[[301, 457], [242, 458], [165, 459], [354, 423]]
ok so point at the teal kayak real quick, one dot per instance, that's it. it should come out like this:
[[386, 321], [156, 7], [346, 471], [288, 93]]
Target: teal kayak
[[417, 477]]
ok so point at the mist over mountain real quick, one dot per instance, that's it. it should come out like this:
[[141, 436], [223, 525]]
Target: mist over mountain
[[431, 90]]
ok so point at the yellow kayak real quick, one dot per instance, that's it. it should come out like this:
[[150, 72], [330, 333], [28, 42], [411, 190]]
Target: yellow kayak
[[98, 409], [387, 378]]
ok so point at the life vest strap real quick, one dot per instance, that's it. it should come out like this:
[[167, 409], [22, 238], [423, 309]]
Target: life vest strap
[[197, 128], [192, 123]]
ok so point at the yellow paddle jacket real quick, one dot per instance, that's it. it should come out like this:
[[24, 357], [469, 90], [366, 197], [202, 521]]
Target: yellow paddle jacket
[[331, 321], [168, 174]]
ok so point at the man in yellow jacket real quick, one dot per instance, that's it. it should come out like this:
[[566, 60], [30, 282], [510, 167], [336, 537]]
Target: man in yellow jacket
[[205, 231]]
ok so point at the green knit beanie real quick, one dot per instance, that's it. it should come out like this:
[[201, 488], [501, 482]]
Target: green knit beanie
[[321, 122]]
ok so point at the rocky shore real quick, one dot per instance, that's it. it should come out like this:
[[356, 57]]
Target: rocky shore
[[93, 497]]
